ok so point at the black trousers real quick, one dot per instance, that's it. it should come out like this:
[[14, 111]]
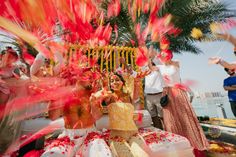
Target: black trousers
[[233, 107]]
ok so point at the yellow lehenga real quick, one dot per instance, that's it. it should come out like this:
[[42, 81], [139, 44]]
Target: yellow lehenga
[[124, 138]]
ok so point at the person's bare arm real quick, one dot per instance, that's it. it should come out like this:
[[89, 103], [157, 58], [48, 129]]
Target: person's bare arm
[[227, 37], [230, 88], [218, 60], [226, 64], [96, 100]]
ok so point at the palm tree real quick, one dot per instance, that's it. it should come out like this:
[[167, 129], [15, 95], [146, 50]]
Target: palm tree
[[187, 14]]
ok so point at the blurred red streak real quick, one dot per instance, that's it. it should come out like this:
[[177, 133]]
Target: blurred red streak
[[20, 103]]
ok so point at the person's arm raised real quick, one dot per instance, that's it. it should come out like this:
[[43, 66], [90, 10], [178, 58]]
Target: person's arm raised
[[226, 64], [218, 60], [227, 37]]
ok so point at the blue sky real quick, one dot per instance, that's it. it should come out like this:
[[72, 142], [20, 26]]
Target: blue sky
[[195, 67]]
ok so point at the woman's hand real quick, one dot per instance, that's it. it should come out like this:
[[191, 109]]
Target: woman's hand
[[165, 91], [214, 60], [103, 94], [110, 97]]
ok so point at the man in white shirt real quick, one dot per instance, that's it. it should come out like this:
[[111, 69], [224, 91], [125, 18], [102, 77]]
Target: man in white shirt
[[154, 85]]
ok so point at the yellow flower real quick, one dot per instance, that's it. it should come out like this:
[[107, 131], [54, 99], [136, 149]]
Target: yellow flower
[[196, 33], [168, 20], [215, 27]]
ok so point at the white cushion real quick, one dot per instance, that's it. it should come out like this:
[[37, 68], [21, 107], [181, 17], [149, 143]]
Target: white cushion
[[146, 119], [34, 125]]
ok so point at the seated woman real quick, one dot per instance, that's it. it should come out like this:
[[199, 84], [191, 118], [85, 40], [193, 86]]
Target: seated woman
[[124, 138], [80, 136], [120, 112]]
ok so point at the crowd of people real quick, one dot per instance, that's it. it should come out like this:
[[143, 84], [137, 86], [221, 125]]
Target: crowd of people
[[97, 94]]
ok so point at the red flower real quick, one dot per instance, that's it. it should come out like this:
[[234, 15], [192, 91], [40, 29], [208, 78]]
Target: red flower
[[33, 153]]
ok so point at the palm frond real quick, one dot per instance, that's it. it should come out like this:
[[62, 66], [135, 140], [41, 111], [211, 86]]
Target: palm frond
[[181, 46], [126, 31], [187, 14]]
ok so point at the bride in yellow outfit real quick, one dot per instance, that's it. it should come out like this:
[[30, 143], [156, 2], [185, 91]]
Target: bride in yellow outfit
[[124, 139]]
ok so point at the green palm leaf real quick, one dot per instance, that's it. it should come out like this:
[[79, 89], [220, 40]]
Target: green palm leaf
[[187, 14]]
